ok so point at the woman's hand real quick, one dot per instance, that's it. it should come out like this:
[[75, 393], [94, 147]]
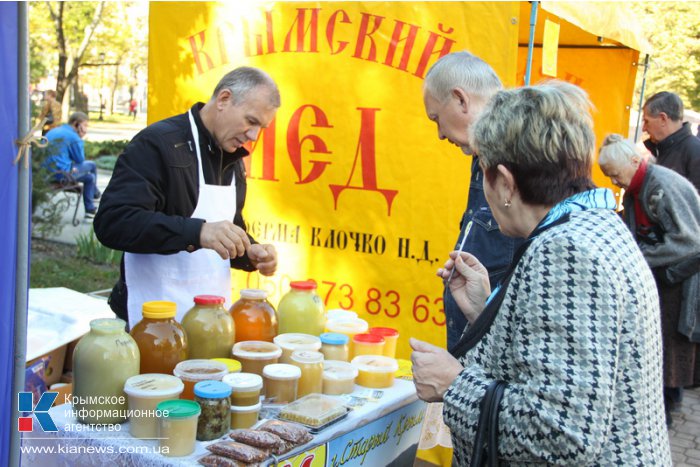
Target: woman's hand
[[469, 283], [434, 370]]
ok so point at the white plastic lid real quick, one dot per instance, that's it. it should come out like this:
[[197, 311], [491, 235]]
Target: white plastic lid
[[254, 294], [297, 341], [306, 356], [243, 381], [375, 363], [339, 370], [246, 408], [200, 369], [256, 350], [153, 385], [348, 325], [339, 313], [282, 371]]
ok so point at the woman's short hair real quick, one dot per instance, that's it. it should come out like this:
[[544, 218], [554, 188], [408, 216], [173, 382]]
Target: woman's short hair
[[242, 80], [616, 150], [463, 70], [544, 135]]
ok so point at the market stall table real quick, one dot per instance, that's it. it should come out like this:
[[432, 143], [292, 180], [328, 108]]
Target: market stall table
[[379, 432]]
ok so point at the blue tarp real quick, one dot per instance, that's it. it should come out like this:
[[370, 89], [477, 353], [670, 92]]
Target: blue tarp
[[9, 125]]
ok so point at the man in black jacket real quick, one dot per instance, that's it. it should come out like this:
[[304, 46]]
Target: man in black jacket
[[670, 140], [174, 202]]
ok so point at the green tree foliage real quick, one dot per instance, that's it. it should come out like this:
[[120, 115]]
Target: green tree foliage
[[673, 29]]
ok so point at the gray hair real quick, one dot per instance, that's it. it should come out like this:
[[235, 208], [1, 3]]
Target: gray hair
[[461, 70], [616, 150], [77, 117], [241, 81], [666, 102], [544, 135]]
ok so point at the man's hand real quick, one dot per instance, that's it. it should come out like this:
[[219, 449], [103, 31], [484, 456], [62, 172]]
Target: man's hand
[[434, 370], [264, 258], [227, 239]]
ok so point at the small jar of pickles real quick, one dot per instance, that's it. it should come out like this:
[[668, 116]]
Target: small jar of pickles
[[215, 419], [255, 317]]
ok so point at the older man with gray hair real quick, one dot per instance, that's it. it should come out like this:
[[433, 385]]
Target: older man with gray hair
[[670, 140], [455, 92], [174, 203]]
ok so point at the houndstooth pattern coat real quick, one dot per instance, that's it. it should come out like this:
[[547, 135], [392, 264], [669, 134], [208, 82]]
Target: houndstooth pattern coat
[[577, 339]]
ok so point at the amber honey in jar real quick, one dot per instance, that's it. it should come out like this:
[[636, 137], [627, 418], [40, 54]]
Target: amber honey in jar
[[194, 371], [311, 365], [281, 382], [254, 355], [255, 317], [334, 346], [245, 388], [210, 329], [162, 341]]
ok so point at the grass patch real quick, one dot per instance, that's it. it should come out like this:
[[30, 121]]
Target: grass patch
[[57, 265]]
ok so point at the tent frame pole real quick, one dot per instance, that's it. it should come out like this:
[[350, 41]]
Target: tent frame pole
[[637, 129], [22, 260], [531, 42]]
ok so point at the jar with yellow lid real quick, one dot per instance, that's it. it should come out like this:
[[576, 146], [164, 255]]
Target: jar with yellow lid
[[210, 329], [254, 316], [301, 310], [234, 366], [162, 341]]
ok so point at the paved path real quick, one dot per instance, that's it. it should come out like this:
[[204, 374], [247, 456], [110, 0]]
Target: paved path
[[685, 432]]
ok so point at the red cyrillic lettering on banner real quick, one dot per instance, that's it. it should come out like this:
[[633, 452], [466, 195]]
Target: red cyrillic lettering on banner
[[302, 30], [197, 51], [267, 140], [330, 30], [430, 50], [224, 34], [410, 39], [367, 157], [365, 33], [318, 146]]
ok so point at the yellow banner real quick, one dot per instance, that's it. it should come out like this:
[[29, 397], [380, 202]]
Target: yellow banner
[[350, 182], [550, 44]]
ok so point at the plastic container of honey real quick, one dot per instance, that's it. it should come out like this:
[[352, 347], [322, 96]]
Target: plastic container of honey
[[296, 341], [311, 365], [234, 366], [339, 313], [245, 388], [255, 317], [177, 427], [338, 377], [368, 344], [281, 382], [244, 417], [391, 337], [375, 371], [145, 392], [210, 329], [349, 327], [254, 355], [161, 339], [194, 371], [335, 346]]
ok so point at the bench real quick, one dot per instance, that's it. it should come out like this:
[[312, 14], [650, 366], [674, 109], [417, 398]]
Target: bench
[[67, 185]]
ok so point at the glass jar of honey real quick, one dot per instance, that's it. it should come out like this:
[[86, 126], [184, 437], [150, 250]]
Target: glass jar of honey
[[311, 365], [301, 310], [210, 329], [161, 339], [334, 346], [255, 318]]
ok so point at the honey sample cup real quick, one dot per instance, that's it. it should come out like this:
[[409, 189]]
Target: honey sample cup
[[375, 371], [368, 344], [338, 377], [295, 341], [244, 417], [245, 388], [177, 427], [254, 355], [145, 392], [281, 382], [194, 371]]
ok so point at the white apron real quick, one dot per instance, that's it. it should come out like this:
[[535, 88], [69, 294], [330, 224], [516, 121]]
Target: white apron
[[181, 276]]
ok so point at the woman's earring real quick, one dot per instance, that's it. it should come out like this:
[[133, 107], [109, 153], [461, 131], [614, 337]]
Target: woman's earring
[[507, 203]]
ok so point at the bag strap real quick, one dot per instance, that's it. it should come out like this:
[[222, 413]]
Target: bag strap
[[485, 446]]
